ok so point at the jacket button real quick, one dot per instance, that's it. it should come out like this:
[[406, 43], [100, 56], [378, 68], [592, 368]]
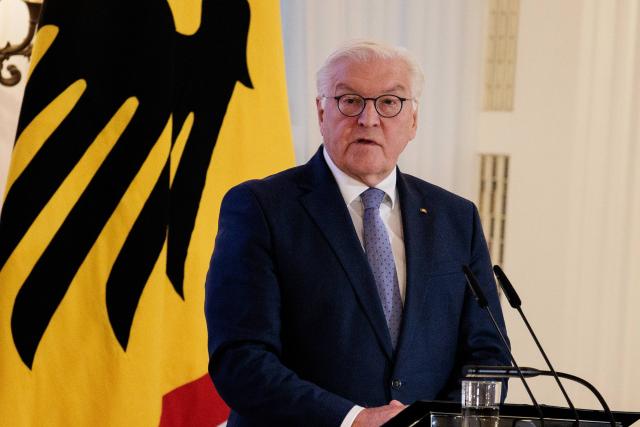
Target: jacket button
[[396, 384]]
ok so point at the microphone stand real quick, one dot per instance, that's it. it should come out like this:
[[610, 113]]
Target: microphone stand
[[483, 303], [588, 385], [515, 302]]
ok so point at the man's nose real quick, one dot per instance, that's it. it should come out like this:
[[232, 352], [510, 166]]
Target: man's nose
[[369, 116]]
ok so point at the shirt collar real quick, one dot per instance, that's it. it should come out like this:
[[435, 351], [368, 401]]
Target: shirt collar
[[351, 188]]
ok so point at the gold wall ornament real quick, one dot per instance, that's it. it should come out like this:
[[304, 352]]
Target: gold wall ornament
[[501, 54], [492, 201], [23, 48]]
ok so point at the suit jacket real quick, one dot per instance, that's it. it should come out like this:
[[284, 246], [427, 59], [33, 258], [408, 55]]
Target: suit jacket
[[297, 334]]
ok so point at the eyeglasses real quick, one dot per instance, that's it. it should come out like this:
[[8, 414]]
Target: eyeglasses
[[351, 104]]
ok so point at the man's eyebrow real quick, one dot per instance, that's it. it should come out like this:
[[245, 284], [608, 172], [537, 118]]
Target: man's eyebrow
[[345, 87], [396, 88], [349, 89]]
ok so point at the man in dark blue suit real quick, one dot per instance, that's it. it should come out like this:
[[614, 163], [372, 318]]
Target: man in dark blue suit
[[327, 309]]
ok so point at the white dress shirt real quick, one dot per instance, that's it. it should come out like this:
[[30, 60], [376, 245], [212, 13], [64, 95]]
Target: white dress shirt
[[391, 215]]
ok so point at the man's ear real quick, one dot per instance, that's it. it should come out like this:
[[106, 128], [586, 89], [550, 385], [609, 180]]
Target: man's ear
[[415, 119], [414, 123], [320, 110]]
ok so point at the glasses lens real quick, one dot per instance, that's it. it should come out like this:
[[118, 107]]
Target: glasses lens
[[351, 105], [388, 105]]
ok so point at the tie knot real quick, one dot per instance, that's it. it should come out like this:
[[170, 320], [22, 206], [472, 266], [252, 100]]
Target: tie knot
[[372, 198]]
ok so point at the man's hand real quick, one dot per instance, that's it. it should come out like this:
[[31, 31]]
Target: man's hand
[[374, 417]]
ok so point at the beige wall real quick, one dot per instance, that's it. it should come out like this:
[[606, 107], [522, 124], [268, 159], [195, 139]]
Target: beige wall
[[572, 242]]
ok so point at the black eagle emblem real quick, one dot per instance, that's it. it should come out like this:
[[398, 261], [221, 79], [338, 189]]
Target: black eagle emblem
[[122, 49]]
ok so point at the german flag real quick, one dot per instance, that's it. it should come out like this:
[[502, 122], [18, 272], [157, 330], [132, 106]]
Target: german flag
[[137, 118]]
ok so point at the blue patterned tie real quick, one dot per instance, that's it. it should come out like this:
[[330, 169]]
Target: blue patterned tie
[[378, 249]]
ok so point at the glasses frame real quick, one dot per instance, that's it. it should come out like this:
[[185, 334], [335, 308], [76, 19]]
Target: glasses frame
[[364, 105]]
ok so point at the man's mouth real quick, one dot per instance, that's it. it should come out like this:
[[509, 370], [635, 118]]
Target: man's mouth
[[366, 141]]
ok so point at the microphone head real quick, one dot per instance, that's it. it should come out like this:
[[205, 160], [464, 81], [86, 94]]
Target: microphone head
[[486, 371], [475, 286], [507, 288]]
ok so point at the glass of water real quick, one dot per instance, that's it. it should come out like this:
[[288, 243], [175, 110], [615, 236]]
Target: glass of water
[[480, 403]]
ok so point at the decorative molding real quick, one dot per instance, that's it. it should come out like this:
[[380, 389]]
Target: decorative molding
[[492, 202], [23, 48], [500, 54]]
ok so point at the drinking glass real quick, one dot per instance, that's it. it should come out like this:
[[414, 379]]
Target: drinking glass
[[480, 403]]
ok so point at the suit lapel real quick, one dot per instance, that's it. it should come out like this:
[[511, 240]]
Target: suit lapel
[[325, 205], [417, 222]]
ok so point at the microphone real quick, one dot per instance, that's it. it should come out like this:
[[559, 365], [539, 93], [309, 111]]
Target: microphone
[[515, 302], [483, 303], [479, 371]]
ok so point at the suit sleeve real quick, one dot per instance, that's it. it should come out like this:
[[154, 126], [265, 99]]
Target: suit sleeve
[[242, 307], [478, 341]]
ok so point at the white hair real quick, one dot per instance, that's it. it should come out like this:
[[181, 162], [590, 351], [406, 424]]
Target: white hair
[[366, 50]]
